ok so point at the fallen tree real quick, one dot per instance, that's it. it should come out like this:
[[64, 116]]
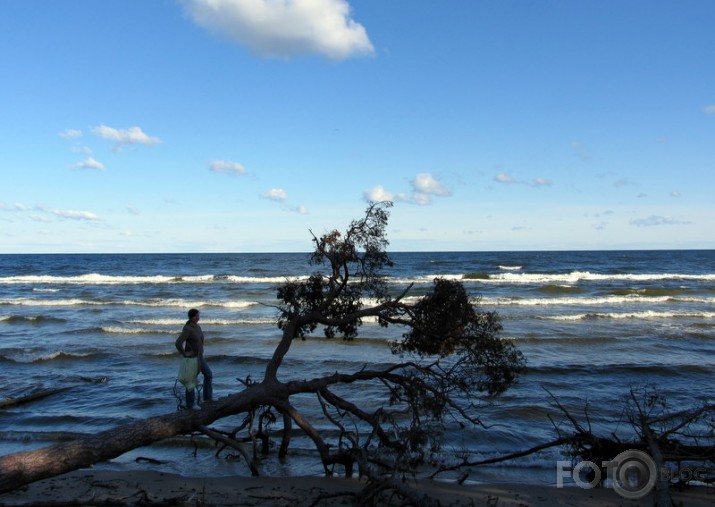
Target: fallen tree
[[667, 448], [448, 360]]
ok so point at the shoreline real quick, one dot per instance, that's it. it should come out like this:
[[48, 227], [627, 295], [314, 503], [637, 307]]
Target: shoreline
[[83, 487]]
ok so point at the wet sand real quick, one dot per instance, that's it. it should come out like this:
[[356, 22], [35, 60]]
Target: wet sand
[[110, 487]]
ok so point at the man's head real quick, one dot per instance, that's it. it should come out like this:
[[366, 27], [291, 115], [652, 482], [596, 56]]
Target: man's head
[[193, 314]]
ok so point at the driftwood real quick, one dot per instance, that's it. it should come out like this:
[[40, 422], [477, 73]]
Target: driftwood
[[10, 401], [667, 437], [38, 395]]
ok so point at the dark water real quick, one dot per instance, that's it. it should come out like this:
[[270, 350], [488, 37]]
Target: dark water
[[591, 325]]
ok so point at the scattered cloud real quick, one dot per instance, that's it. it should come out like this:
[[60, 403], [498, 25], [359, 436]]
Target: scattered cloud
[[75, 215], [623, 182], [37, 217], [504, 178], [507, 179], [70, 134], [300, 209], [655, 220], [275, 194], [424, 187], [132, 135], [710, 109], [541, 182], [285, 28], [90, 163], [377, 194], [426, 184], [133, 211], [226, 167], [675, 193], [13, 207], [41, 213]]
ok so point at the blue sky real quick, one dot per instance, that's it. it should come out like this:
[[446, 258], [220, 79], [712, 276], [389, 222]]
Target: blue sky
[[242, 125]]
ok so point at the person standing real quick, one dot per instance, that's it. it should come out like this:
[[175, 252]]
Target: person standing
[[190, 343]]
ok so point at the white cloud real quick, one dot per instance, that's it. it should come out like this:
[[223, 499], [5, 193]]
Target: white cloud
[[14, 207], [424, 186], [75, 215], [300, 209], [505, 178], [275, 194], [284, 28], [710, 109], [675, 193], [132, 135], [227, 167], [90, 163], [133, 211], [70, 134], [377, 194], [655, 220], [425, 183], [541, 182], [421, 199], [623, 182], [36, 217]]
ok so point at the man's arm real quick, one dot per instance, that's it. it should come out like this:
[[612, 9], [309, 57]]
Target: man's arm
[[180, 343]]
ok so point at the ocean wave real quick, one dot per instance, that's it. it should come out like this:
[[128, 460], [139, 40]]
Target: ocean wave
[[511, 276], [632, 315], [594, 301], [99, 279], [629, 369], [649, 291], [48, 302], [38, 319], [182, 303], [560, 289], [578, 276], [178, 323], [264, 279], [42, 357], [556, 279], [129, 330]]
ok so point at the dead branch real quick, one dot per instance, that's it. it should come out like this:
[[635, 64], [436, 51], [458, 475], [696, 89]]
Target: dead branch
[[233, 444]]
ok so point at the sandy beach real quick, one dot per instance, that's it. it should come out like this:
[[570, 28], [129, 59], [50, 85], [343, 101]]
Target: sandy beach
[[96, 487]]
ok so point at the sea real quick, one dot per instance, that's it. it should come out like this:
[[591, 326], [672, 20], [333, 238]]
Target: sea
[[98, 332]]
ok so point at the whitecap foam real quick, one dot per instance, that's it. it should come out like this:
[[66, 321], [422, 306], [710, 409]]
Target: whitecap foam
[[130, 330], [648, 314], [576, 276], [99, 279], [264, 279], [593, 301]]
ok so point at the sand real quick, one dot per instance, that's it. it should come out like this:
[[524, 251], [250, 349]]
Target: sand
[[105, 487]]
